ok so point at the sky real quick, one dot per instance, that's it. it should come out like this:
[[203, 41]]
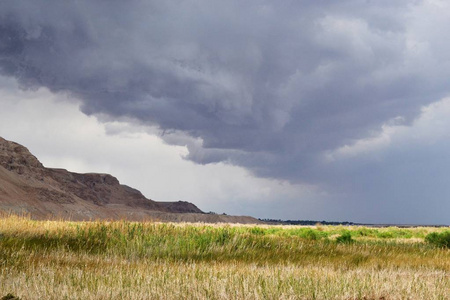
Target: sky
[[313, 110]]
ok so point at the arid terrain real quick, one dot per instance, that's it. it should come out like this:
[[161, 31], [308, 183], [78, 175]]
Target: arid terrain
[[27, 187]]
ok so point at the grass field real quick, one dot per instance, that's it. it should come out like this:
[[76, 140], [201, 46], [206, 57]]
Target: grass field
[[125, 260]]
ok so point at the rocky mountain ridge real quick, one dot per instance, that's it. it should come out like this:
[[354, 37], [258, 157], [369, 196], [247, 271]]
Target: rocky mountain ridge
[[27, 187]]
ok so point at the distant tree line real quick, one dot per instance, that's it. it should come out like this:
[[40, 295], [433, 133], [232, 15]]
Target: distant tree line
[[306, 222], [344, 223]]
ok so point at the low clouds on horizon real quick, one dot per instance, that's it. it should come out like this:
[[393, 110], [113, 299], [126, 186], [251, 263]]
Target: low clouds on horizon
[[334, 94]]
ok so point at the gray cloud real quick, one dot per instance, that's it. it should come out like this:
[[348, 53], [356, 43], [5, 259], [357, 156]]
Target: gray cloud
[[271, 86]]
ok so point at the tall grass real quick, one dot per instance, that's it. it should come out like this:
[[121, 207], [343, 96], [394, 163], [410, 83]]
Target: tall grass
[[121, 260]]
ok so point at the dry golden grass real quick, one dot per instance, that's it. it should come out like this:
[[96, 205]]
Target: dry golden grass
[[69, 277], [122, 260]]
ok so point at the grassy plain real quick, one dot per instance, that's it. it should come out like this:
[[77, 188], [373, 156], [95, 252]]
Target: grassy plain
[[126, 260]]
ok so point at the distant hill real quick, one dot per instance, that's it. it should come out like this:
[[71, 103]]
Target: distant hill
[[27, 187]]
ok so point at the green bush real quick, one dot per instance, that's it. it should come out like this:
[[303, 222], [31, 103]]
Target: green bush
[[439, 239], [310, 234], [345, 238], [364, 231]]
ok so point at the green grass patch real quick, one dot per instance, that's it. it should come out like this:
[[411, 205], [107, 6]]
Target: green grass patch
[[439, 239]]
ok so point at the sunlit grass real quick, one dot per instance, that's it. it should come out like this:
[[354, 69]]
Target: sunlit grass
[[131, 260]]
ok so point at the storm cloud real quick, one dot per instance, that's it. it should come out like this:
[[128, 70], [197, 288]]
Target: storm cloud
[[281, 88]]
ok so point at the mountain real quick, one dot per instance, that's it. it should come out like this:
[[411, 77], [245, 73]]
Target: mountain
[[27, 187]]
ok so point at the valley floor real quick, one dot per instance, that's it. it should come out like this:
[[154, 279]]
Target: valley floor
[[124, 260]]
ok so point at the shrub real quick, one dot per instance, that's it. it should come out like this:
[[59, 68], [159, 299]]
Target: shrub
[[310, 234], [364, 231], [439, 239], [345, 238]]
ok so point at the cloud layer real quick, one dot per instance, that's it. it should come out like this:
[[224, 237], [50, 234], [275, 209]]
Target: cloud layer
[[287, 90]]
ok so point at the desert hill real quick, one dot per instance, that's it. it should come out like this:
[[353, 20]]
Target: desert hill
[[26, 186]]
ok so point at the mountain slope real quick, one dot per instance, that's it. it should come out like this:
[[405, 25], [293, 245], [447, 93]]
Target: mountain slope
[[26, 186]]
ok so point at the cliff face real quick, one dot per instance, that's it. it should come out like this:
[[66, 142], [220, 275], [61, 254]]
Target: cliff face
[[26, 186], [16, 158]]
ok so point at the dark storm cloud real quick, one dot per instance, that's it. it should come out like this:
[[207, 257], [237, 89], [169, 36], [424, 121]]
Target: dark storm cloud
[[268, 85]]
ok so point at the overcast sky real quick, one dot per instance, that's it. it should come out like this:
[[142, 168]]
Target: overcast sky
[[325, 110]]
